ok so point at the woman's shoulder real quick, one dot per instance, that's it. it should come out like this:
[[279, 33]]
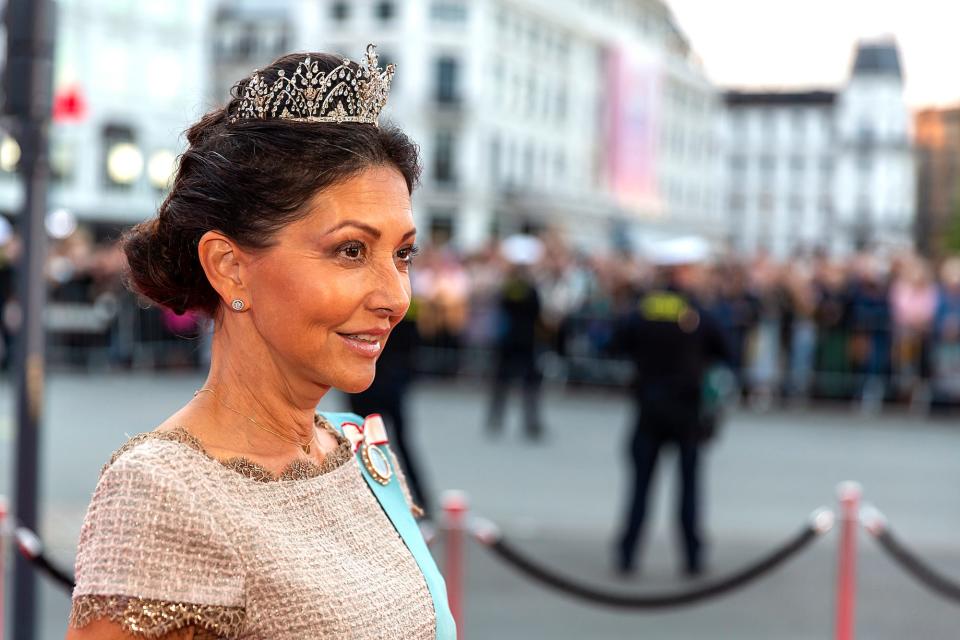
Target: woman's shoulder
[[152, 446]]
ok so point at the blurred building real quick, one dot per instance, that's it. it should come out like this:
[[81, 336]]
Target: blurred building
[[937, 138], [128, 78], [246, 34], [822, 168], [590, 116]]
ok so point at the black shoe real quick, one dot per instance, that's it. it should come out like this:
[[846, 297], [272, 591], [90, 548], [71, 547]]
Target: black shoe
[[624, 570], [623, 564]]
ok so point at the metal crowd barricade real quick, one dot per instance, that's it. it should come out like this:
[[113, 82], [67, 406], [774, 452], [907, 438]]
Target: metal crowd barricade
[[116, 330]]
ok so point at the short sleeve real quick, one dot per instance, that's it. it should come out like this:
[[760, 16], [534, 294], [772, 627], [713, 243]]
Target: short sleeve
[[153, 557]]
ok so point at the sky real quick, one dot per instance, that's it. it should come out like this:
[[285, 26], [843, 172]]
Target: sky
[[794, 43]]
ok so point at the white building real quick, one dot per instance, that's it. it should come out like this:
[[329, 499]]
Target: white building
[[138, 71], [590, 116], [828, 169]]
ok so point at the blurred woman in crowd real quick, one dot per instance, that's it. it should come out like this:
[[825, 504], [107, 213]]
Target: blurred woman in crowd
[[913, 303]]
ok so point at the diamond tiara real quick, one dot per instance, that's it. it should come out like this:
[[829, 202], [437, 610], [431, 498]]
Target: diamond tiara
[[349, 92]]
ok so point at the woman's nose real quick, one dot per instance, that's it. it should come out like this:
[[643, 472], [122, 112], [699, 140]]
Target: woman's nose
[[391, 291]]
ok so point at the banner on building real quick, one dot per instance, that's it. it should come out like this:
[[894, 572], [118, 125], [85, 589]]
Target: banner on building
[[633, 91]]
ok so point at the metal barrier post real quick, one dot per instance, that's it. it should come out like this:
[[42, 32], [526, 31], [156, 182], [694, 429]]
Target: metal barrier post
[[455, 507], [849, 494]]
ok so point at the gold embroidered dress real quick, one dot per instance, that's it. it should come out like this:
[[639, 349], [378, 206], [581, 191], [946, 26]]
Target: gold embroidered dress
[[174, 538]]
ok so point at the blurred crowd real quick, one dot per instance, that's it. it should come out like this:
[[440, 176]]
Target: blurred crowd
[[866, 327]]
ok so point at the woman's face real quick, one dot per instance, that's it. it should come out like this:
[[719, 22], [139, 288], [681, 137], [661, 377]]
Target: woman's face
[[326, 295]]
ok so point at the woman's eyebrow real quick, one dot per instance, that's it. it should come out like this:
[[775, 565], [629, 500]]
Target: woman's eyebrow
[[373, 231], [355, 223]]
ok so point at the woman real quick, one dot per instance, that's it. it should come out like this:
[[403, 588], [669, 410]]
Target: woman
[[246, 514]]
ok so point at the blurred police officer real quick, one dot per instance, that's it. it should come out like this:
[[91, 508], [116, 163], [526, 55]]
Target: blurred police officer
[[672, 342]]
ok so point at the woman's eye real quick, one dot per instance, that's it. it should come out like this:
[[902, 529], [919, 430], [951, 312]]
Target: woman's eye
[[352, 251], [407, 253]]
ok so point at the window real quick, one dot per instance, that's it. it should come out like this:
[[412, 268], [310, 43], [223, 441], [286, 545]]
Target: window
[[122, 160], [443, 158], [737, 202], [385, 11], [494, 159], [447, 89], [769, 120], [441, 227], [340, 11], [448, 11], [62, 159], [798, 121], [561, 106], [560, 165], [826, 168], [273, 39], [765, 203], [528, 167], [825, 203], [768, 166], [531, 94]]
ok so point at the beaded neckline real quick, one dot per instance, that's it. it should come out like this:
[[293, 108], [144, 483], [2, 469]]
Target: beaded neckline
[[296, 470]]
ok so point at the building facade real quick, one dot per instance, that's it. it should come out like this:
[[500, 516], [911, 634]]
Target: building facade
[[128, 78], [828, 169], [937, 139], [593, 118]]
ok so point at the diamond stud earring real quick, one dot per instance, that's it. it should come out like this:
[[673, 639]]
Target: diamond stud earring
[[237, 305]]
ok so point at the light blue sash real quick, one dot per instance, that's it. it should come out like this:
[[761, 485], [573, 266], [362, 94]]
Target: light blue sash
[[394, 504]]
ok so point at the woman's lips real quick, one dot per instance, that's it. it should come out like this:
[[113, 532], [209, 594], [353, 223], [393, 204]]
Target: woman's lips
[[365, 345]]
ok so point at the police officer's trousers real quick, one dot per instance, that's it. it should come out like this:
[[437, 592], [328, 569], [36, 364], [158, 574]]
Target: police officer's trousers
[[645, 448]]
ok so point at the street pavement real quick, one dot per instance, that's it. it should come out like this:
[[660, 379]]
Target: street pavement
[[559, 500]]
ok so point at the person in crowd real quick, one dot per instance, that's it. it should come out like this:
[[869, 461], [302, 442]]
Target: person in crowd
[[247, 514], [831, 353], [672, 341], [765, 354], [798, 330], [562, 289], [485, 269], [913, 304], [870, 332], [518, 339], [443, 293], [945, 360], [737, 311]]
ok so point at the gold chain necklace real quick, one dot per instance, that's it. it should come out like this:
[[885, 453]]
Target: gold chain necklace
[[305, 447]]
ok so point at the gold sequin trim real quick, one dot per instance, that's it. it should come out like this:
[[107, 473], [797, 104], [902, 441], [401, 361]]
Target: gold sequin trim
[[157, 618], [296, 470]]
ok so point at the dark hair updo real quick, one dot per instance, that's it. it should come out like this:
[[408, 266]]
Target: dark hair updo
[[247, 179]]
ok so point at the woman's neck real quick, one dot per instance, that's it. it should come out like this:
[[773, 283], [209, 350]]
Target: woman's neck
[[254, 399]]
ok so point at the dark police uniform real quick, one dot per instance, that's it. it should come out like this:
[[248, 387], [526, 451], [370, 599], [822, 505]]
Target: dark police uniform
[[672, 342]]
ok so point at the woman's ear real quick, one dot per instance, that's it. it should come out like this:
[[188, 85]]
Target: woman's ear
[[220, 258]]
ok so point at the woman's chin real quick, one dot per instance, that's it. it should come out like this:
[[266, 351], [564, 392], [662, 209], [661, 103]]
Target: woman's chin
[[355, 384]]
